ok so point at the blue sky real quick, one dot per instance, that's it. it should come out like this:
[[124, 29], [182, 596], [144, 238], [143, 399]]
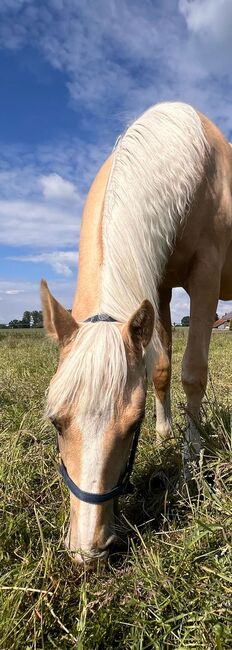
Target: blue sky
[[73, 74]]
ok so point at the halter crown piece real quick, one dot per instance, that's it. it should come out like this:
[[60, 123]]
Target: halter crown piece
[[123, 486], [100, 317]]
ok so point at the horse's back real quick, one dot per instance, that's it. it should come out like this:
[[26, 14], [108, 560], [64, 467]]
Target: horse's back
[[208, 227]]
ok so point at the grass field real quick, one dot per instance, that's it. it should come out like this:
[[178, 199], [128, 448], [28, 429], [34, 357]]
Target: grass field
[[171, 586]]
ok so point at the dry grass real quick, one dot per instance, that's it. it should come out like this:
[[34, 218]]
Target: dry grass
[[171, 586]]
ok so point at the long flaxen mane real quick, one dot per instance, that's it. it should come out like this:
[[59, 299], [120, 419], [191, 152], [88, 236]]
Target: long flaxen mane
[[92, 375], [157, 167]]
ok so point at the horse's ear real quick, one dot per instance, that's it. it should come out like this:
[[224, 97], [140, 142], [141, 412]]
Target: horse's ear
[[141, 325], [58, 322]]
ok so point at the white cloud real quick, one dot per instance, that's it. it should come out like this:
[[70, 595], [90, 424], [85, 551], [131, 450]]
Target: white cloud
[[60, 261], [121, 57], [30, 223], [210, 25], [180, 305], [56, 188], [73, 160], [40, 207], [14, 292], [18, 296], [118, 58], [207, 17]]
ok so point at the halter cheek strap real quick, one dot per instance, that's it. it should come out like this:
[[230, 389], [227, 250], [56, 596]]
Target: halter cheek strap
[[123, 486]]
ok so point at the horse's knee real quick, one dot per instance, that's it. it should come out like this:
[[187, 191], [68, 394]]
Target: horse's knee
[[161, 376]]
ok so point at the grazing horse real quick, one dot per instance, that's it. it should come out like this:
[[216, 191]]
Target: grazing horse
[[158, 216]]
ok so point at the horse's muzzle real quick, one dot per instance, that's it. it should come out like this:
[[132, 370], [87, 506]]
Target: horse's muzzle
[[89, 559]]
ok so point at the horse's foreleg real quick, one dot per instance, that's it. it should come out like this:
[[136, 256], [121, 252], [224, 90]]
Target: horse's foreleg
[[162, 370], [203, 288]]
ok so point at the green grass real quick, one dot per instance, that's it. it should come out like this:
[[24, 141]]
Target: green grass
[[171, 586]]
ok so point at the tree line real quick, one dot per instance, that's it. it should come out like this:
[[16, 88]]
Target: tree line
[[35, 319], [30, 319]]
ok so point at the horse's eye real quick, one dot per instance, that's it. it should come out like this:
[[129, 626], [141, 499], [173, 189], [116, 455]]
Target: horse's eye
[[57, 425]]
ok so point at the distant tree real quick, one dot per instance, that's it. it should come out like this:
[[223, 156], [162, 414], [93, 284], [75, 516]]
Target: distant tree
[[185, 321], [3, 326], [26, 319], [15, 324], [37, 318]]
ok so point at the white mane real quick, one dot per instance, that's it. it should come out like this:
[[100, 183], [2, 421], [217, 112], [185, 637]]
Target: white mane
[[92, 376], [157, 166]]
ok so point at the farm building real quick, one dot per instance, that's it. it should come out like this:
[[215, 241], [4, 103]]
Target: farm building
[[223, 323]]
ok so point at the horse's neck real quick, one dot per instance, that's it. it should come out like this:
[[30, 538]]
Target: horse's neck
[[87, 296]]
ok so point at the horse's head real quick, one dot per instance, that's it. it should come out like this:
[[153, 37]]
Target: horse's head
[[96, 400]]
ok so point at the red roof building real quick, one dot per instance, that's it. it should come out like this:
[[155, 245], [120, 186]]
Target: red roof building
[[223, 322]]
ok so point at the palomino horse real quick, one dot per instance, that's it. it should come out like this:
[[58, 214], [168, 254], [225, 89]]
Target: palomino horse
[[158, 216]]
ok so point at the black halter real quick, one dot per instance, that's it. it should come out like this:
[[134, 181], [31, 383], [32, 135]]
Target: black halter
[[123, 486], [100, 317]]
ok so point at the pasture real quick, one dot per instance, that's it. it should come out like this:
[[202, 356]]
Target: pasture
[[171, 587]]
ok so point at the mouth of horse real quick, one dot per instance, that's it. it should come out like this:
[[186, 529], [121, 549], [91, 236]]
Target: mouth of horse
[[93, 556]]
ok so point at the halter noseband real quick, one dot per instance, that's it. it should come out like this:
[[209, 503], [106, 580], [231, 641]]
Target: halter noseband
[[123, 486]]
